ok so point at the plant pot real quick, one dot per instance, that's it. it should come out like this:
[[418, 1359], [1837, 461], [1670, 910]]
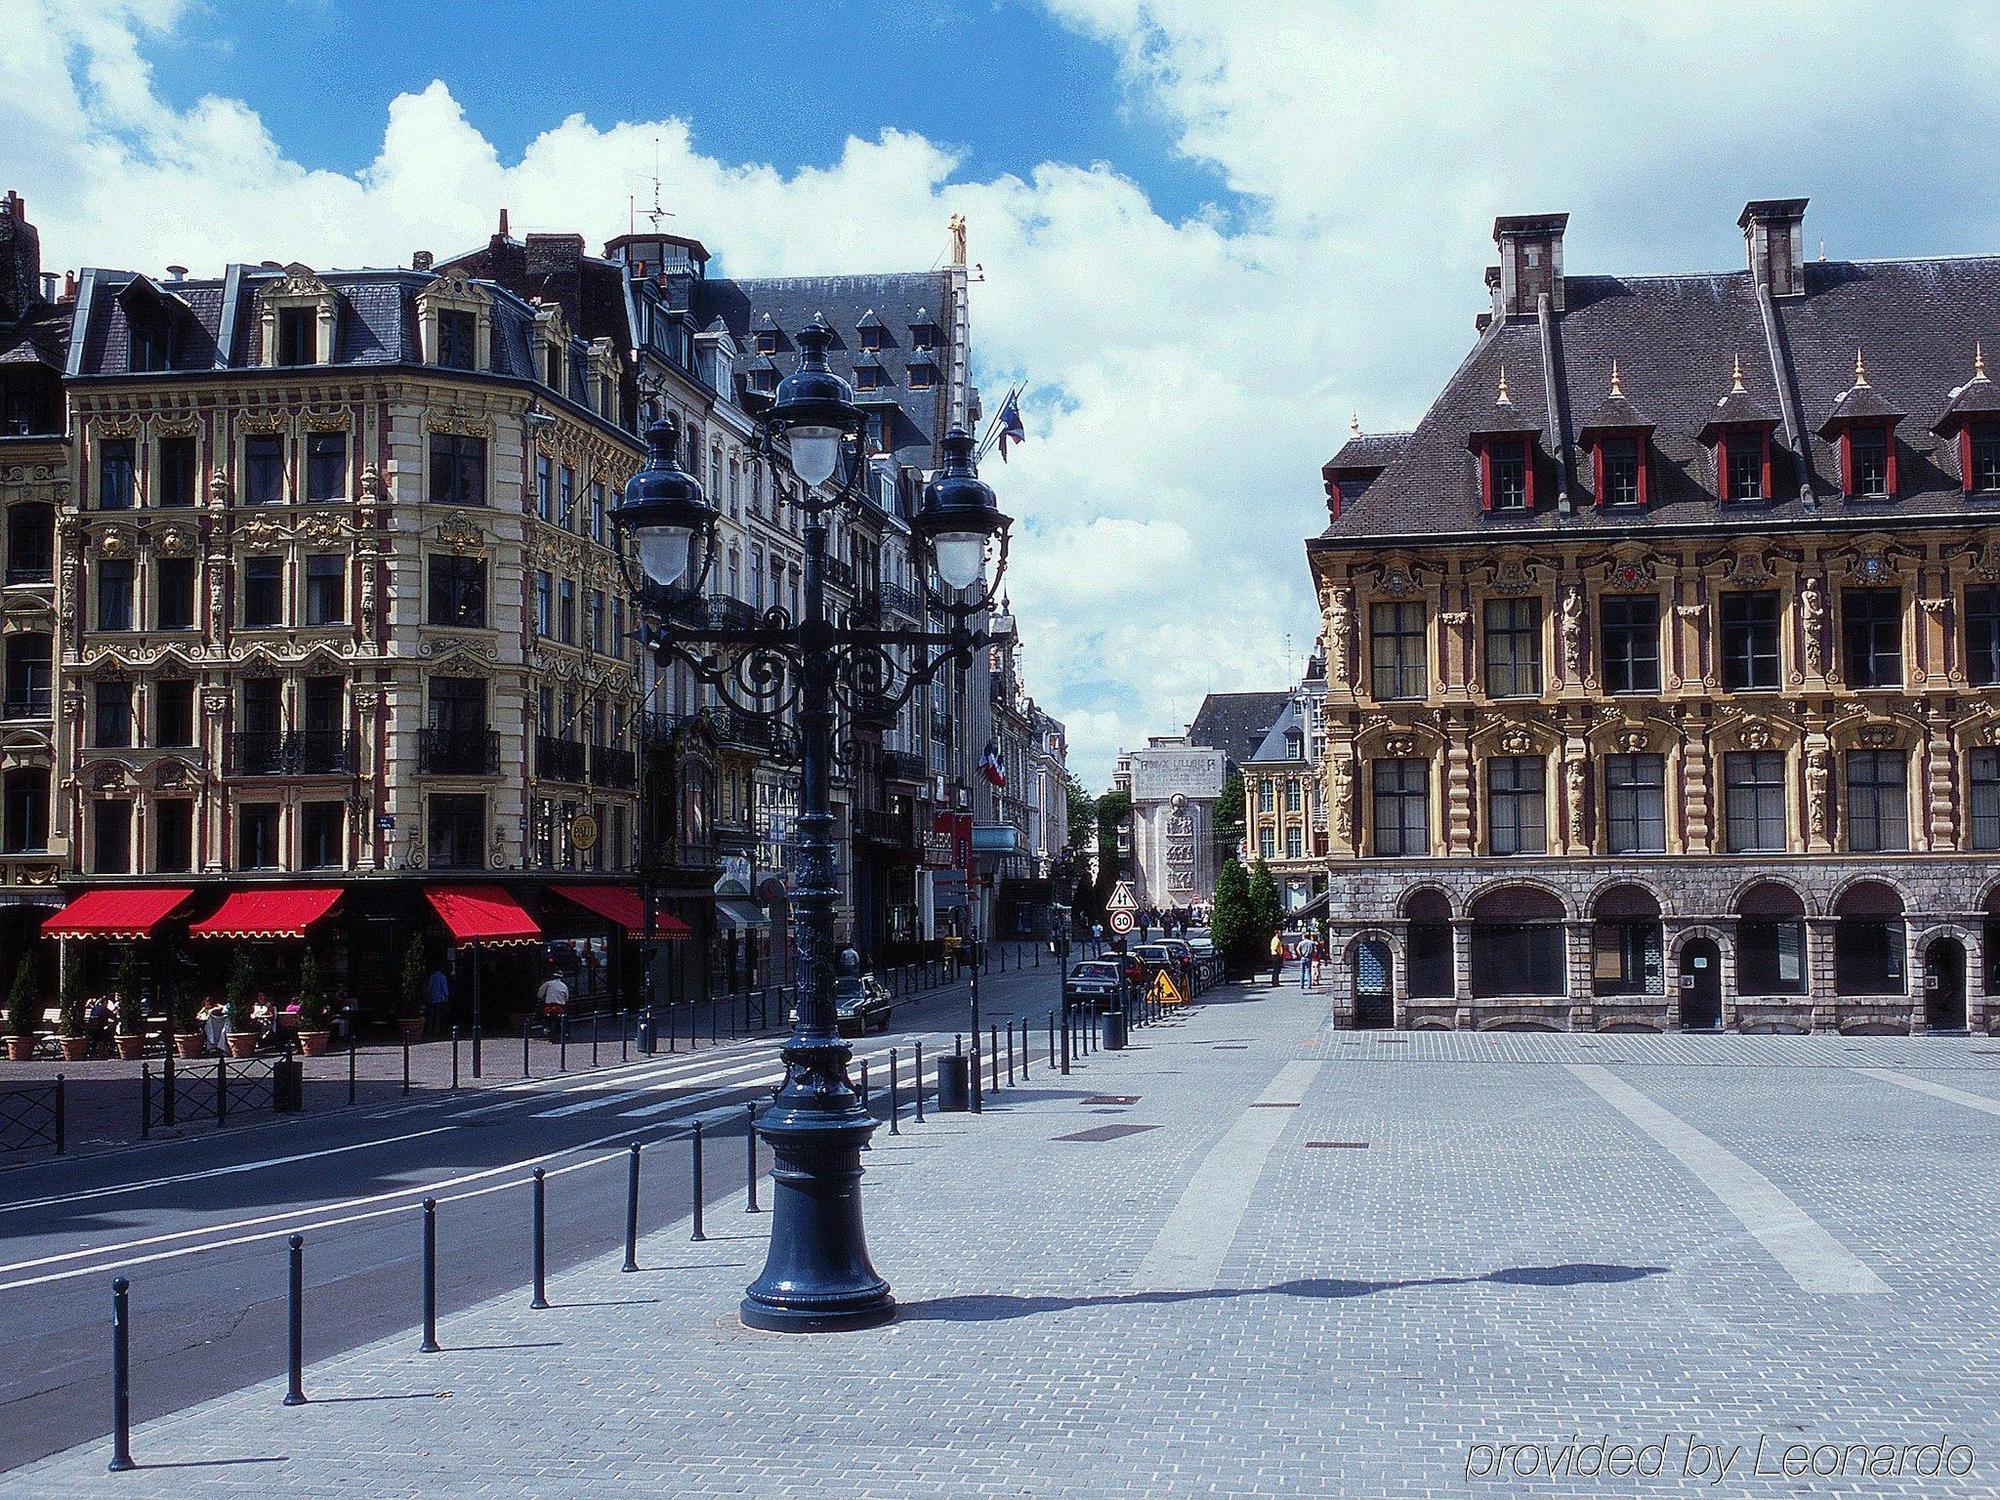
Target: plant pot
[[20, 1049], [188, 1044], [130, 1048], [412, 1028], [75, 1048], [314, 1043], [241, 1043]]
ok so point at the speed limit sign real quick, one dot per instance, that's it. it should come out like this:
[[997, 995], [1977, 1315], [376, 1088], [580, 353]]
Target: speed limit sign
[[1121, 922]]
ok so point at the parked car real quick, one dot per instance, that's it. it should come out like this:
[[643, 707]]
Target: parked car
[[1153, 957], [1202, 944], [859, 1004], [1183, 953], [1092, 983]]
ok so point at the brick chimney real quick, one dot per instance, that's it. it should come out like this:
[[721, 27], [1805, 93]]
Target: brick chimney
[[1531, 262], [421, 260], [1774, 235], [20, 259]]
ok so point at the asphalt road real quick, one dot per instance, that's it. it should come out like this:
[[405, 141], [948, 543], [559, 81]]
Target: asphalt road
[[200, 1225]]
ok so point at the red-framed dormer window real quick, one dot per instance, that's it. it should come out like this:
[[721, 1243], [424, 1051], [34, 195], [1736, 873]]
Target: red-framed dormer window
[[1979, 456], [1506, 473], [1743, 464], [1868, 459], [1619, 470]]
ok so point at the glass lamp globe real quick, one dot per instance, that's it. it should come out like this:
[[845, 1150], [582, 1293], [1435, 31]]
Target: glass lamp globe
[[961, 558], [815, 453]]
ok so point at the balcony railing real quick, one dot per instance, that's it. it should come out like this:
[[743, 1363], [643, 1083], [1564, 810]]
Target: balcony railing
[[838, 574], [31, 704], [732, 727], [613, 767], [32, 570], [559, 759], [897, 600], [900, 765], [883, 827], [298, 752], [459, 752]]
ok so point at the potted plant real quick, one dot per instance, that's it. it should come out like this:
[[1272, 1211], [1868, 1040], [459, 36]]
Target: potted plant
[[236, 998], [313, 1033], [23, 1011], [187, 1025], [72, 1026], [131, 1021], [410, 996]]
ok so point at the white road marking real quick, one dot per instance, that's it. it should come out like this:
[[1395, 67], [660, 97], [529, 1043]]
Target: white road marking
[[1814, 1258], [626, 1096], [115, 1189], [1188, 1252], [1935, 1090]]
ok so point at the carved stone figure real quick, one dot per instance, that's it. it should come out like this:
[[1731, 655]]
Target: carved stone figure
[[1576, 776], [218, 488], [1572, 630], [1341, 795], [1818, 804], [1812, 621], [1339, 633]]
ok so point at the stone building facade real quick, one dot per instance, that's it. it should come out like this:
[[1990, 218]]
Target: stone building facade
[[1284, 815], [1663, 656]]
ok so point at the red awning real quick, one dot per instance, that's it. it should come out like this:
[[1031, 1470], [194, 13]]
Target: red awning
[[275, 913], [621, 906], [482, 914], [122, 912]]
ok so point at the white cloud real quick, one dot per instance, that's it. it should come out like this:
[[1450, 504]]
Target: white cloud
[[1186, 378]]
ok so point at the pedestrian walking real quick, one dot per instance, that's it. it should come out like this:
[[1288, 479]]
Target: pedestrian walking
[[553, 997], [1308, 950], [1277, 957], [437, 1000]]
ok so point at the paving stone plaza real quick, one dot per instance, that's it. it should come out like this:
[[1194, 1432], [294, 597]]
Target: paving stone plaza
[[1305, 1262]]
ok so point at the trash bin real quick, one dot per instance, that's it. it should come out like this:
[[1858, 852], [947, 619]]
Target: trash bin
[[954, 1082], [288, 1089], [646, 1034], [1111, 1030]]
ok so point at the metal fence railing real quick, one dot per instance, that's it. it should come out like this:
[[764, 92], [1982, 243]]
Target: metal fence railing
[[34, 1114]]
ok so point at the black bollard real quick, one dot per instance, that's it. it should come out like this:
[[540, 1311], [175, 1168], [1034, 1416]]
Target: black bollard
[[593, 1039], [920, 1083], [1026, 1047], [562, 1046], [524, 1049], [221, 1091], [146, 1099], [750, 1157], [1010, 1054], [696, 1139], [477, 1072], [353, 1040], [1052, 1039], [167, 1088], [993, 1051], [624, 1038], [454, 1059], [894, 1102], [1065, 1040], [121, 1376], [541, 1232], [406, 1065], [430, 1343], [296, 1395], [864, 1083], [632, 1210]]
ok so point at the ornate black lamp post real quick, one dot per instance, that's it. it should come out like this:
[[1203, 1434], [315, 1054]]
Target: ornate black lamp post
[[817, 1275]]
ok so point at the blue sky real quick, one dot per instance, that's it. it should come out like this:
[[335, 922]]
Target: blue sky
[[1213, 232]]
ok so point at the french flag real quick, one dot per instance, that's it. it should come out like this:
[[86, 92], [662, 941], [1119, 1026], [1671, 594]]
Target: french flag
[[990, 765]]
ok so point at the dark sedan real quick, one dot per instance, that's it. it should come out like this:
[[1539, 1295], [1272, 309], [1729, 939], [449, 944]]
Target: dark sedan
[[1092, 983]]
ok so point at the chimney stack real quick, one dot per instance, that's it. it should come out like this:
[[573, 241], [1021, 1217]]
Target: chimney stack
[[20, 259], [1774, 232], [420, 260], [1531, 262], [177, 273], [503, 223]]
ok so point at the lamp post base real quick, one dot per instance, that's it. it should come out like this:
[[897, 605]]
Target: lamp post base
[[817, 1277]]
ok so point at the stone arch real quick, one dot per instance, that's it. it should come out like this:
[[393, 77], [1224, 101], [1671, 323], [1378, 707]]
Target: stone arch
[[1682, 936], [1521, 883], [1431, 888], [1623, 882], [1852, 883], [1807, 906]]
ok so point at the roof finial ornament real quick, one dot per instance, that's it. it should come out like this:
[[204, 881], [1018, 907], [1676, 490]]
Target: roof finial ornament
[[1617, 390], [1354, 424], [1860, 370], [1503, 399], [1736, 378], [1978, 361]]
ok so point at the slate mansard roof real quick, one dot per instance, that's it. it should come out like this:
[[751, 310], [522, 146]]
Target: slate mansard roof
[[1676, 341], [1236, 723]]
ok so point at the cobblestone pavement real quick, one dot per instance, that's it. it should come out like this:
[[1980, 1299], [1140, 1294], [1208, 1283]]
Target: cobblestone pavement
[[1311, 1270]]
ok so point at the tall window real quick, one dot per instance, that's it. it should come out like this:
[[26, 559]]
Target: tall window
[[1396, 645], [298, 335], [1267, 794], [326, 590], [458, 832], [114, 593], [1982, 636], [545, 604], [173, 836], [1985, 444], [1750, 642], [263, 468], [1294, 843], [1508, 466], [566, 620], [114, 474], [263, 591], [1402, 807], [1754, 789], [257, 836], [458, 338], [1868, 460], [597, 510], [263, 708], [545, 486], [111, 837], [178, 474], [1620, 458], [112, 722], [458, 705], [1514, 648], [458, 469], [1983, 771], [173, 713], [566, 497], [320, 827], [174, 607], [31, 543], [458, 590], [30, 675], [27, 812], [1878, 805], [326, 466], [1871, 635], [1743, 475], [1267, 843], [593, 630], [1292, 795], [1515, 804], [1635, 804], [1630, 629]]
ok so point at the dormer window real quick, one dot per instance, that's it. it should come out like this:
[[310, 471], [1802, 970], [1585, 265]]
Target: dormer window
[[1868, 459], [1982, 469], [870, 377], [298, 336], [1864, 425], [152, 345], [458, 338], [871, 339], [924, 337], [922, 377], [1619, 472], [764, 382], [767, 341], [1743, 459], [1507, 474]]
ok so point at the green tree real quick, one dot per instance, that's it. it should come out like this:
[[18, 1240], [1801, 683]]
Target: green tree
[[1267, 912], [1229, 814], [125, 993], [312, 994], [236, 992], [71, 1001], [1082, 814], [24, 1003], [1113, 808], [1230, 923]]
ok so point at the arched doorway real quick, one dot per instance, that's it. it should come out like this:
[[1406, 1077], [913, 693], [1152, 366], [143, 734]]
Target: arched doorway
[[1429, 962], [1944, 985], [1771, 941], [1701, 985], [1868, 941], [1374, 984], [1625, 943], [1517, 944]]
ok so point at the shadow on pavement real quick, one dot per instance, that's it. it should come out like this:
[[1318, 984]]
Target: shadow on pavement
[[998, 1308]]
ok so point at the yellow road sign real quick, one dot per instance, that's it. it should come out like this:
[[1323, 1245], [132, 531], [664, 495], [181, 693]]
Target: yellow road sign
[[1165, 991]]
